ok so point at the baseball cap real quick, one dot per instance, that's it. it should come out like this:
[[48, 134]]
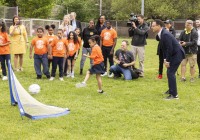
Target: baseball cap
[[168, 21]]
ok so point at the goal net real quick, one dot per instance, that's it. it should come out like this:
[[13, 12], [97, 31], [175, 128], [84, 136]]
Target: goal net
[[29, 106]]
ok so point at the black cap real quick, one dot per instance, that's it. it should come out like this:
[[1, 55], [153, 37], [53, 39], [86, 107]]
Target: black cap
[[168, 21]]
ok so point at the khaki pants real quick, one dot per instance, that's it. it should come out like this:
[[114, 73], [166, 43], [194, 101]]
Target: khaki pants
[[140, 52], [191, 58]]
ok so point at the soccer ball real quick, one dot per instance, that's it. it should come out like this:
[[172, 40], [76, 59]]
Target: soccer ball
[[34, 89]]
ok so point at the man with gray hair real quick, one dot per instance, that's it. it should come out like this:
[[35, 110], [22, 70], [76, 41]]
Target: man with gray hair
[[75, 23], [198, 44], [188, 40]]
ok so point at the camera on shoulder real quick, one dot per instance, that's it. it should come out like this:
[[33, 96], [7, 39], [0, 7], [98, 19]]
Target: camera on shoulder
[[133, 18]]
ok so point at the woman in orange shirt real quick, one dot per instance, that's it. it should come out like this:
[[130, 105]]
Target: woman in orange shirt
[[78, 33], [73, 46], [98, 65], [4, 49]]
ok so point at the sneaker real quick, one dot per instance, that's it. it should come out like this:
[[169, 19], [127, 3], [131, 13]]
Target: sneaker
[[5, 78], [110, 75], [82, 84], [100, 91], [17, 69], [68, 75], [51, 79], [48, 76], [192, 80], [21, 69], [61, 79], [160, 76], [171, 97], [183, 79], [72, 75], [39, 76], [104, 74]]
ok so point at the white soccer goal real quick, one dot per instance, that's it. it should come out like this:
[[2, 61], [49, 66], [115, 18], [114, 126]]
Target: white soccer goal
[[29, 106]]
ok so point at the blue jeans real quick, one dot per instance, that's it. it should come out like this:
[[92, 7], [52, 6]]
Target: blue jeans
[[41, 60], [83, 58], [117, 70], [4, 61]]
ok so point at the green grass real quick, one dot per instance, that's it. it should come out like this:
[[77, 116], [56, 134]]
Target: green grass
[[129, 109]]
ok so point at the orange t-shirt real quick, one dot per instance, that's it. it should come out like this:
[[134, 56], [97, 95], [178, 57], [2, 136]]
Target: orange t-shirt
[[59, 47], [40, 45], [108, 36], [4, 39], [96, 55], [50, 38], [72, 48]]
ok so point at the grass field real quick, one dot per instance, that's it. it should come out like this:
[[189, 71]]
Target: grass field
[[129, 110]]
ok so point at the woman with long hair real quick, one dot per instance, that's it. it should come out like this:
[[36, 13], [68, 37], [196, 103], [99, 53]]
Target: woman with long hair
[[19, 41]]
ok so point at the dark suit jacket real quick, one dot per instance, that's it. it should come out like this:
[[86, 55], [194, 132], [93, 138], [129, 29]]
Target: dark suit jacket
[[78, 24], [173, 52]]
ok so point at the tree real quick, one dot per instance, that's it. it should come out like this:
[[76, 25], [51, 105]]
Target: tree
[[35, 8]]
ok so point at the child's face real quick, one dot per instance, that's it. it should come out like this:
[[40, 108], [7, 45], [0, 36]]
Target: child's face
[[77, 32], [60, 34], [91, 43], [50, 31], [40, 33], [71, 36]]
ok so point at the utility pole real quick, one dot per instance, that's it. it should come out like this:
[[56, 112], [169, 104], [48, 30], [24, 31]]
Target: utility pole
[[100, 7], [142, 7]]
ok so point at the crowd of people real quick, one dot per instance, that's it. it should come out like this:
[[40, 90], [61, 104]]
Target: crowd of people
[[97, 42]]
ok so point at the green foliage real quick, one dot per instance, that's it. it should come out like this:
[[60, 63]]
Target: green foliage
[[129, 110], [35, 8]]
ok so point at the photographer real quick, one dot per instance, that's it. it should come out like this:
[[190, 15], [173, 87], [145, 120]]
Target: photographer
[[139, 34], [124, 60]]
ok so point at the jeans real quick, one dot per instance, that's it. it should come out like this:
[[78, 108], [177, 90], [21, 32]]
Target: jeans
[[4, 61], [57, 61], [41, 60], [83, 58], [117, 70]]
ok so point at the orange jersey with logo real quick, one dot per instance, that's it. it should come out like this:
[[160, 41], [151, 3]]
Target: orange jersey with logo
[[96, 55], [108, 36], [50, 38], [4, 39], [72, 48], [59, 47], [40, 45]]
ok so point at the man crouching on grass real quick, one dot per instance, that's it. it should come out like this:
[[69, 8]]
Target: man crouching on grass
[[124, 61], [173, 54]]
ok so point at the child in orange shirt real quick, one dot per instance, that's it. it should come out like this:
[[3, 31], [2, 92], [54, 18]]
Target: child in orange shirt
[[40, 45], [4, 49], [58, 49], [98, 65], [50, 37], [73, 46]]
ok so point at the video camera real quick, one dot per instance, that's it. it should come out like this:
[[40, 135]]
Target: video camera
[[133, 18]]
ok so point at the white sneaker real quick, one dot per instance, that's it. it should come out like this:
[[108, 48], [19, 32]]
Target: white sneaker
[[5, 78], [82, 84], [104, 74], [68, 75], [61, 79], [72, 74], [51, 79], [110, 75]]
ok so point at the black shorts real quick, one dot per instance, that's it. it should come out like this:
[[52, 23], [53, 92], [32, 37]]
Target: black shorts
[[97, 69], [71, 57]]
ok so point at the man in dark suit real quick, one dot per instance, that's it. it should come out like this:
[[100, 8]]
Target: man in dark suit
[[173, 54], [75, 23]]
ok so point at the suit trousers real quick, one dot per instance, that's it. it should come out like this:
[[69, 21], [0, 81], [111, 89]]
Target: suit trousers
[[171, 71]]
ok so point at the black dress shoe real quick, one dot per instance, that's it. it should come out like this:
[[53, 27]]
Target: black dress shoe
[[167, 92]]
